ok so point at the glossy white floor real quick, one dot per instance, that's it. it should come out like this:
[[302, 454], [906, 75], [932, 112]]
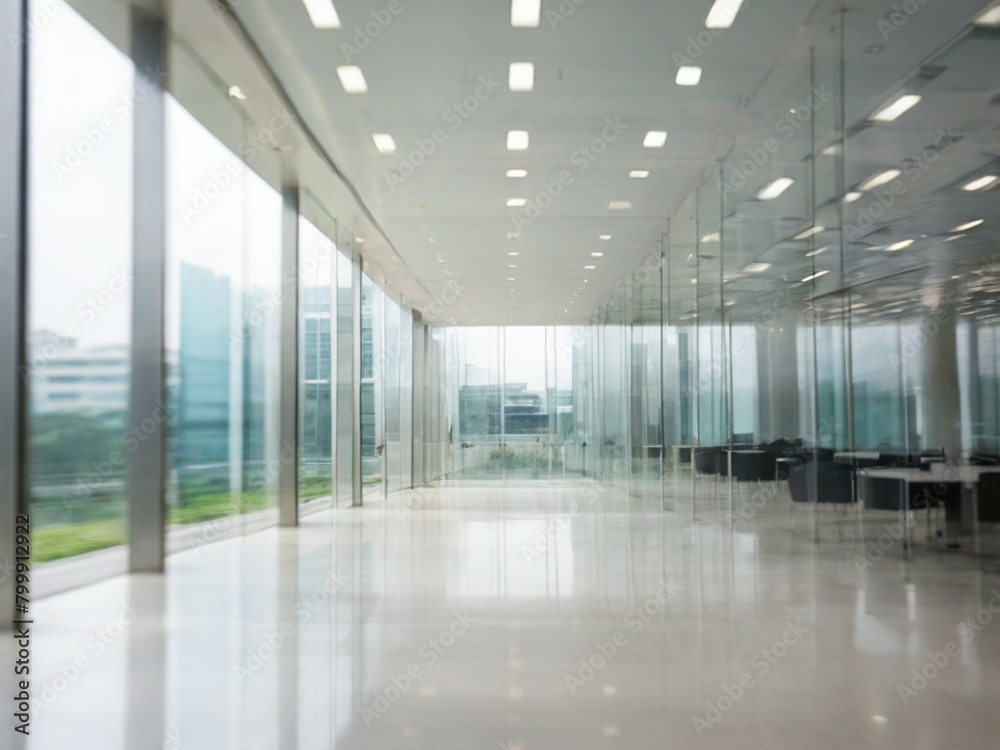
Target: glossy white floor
[[531, 617]]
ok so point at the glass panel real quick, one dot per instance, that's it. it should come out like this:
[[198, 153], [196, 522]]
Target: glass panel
[[317, 256], [79, 295]]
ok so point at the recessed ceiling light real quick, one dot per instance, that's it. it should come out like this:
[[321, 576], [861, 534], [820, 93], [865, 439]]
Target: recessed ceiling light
[[620, 205], [605, 237], [517, 140], [688, 75], [981, 183], [990, 17], [832, 150], [638, 174], [810, 232], [713, 237], [814, 276], [384, 142], [655, 139], [352, 79], [597, 255], [590, 268], [516, 202], [525, 14], [757, 267], [586, 281], [970, 225], [814, 253], [898, 107], [517, 172], [522, 76], [774, 188], [879, 179], [900, 245], [694, 281], [852, 196], [722, 14], [511, 265], [513, 255], [322, 14], [511, 278], [237, 93]]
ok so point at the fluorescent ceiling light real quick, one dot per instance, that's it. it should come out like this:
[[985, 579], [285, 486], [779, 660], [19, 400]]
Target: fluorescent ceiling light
[[590, 268], [597, 255], [620, 205], [898, 107], [322, 14], [511, 278], [352, 79], [516, 202], [900, 245], [722, 14], [852, 196], [514, 254], [810, 232], [237, 93], [981, 183], [525, 14], [638, 174], [605, 237], [713, 237], [517, 140], [655, 139], [517, 172], [757, 267], [511, 265], [384, 143], [522, 76], [832, 150], [990, 17], [969, 225], [688, 75], [814, 276], [820, 251], [879, 179], [773, 189], [953, 238]]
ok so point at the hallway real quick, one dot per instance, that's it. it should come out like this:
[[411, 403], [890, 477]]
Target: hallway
[[537, 616]]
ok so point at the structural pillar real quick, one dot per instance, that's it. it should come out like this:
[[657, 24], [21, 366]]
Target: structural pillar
[[13, 258], [288, 410], [147, 463]]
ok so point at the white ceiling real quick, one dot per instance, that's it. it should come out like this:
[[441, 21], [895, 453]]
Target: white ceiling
[[613, 60]]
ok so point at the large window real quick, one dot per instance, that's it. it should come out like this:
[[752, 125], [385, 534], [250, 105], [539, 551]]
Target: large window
[[223, 240], [79, 294]]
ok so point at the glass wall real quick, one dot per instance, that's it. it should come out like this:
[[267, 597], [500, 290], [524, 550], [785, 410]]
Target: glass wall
[[79, 297], [223, 245]]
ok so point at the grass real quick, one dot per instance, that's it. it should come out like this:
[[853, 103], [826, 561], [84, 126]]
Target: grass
[[56, 542]]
